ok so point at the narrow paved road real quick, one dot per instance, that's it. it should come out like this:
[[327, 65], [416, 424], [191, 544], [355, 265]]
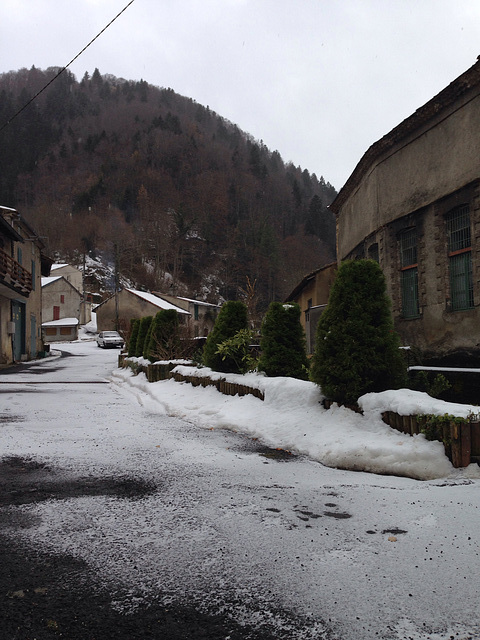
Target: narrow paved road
[[119, 522], [70, 438]]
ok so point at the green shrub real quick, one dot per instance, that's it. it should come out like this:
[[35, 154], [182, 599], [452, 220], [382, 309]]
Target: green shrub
[[231, 319], [356, 349], [142, 334], [132, 340], [283, 343], [435, 388], [238, 349]]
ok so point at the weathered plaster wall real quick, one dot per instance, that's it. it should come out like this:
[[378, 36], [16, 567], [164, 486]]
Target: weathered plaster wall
[[435, 161], [129, 306], [416, 175]]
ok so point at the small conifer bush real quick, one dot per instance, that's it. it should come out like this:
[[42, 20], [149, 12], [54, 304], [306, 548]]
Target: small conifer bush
[[142, 334], [163, 339], [132, 340], [283, 343], [231, 319], [356, 348]]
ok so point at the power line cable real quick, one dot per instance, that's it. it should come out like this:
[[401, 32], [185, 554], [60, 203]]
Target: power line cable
[[64, 68]]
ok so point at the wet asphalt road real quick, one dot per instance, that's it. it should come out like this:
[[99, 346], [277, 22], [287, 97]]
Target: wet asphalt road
[[56, 595]]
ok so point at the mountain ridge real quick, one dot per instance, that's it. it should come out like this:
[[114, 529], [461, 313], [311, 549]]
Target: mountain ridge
[[179, 197]]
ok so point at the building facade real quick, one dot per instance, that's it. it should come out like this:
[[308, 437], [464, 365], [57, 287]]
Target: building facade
[[60, 299], [413, 204], [116, 312], [69, 272], [202, 314], [22, 265], [63, 330], [75, 277], [311, 294]]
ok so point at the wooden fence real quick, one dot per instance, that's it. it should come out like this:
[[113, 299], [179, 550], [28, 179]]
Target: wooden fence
[[155, 372], [460, 437]]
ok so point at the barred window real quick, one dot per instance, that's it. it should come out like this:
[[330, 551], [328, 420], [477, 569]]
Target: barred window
[[460, 258], [410, 308], [458, 229], [461, 281], [408, 247], [409, 273]]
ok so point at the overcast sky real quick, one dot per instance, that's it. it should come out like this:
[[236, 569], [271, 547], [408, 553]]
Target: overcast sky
[[317, 80]]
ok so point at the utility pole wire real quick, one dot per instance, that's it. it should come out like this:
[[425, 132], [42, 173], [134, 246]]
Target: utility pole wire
[[64, 68]]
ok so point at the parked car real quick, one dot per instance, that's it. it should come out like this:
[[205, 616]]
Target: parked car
[[109, 339]]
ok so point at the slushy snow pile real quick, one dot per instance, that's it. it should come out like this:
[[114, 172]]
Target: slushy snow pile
[[292, 417]]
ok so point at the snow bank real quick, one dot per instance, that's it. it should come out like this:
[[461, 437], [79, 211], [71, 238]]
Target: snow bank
[[406, 402], [292, 417]]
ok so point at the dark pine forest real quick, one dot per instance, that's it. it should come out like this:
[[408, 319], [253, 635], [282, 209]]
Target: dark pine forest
[[182, 198]]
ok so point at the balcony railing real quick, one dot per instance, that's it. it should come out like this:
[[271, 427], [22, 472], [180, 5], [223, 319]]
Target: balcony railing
[[14, 276]]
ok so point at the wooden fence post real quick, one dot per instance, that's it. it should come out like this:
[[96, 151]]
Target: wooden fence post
[[466, 443], [456, 445]]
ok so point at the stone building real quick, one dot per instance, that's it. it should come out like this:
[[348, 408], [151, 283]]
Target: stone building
[[413, 204]]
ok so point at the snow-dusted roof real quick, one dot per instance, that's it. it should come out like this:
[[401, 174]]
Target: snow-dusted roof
[[200, 302], [58, 266], [155, 300], [63, 322], [49, 280]]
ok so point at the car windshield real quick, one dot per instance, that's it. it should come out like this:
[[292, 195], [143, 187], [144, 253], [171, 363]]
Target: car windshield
[[110, 334]]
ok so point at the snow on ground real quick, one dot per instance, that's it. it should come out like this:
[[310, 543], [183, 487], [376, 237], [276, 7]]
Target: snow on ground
[[352, 555], [293, 418]]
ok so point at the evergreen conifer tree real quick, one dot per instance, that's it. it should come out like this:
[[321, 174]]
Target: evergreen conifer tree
[[231, 319], [142, 334], [146, 342], [132, 341], [164, 336], [356, 349], [283, 343]]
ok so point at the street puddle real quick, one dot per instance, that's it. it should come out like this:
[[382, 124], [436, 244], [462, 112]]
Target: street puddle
[[26, 481]]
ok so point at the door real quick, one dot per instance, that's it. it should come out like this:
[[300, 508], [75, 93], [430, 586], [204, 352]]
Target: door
[[33, 336], [18, 317]]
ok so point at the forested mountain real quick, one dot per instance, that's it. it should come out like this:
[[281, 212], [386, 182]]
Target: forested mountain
[[186, 200]]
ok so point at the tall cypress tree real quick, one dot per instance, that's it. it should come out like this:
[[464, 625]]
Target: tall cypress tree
[[132, 341], [283, 343], [356, 348], [142, 334], [164, 337]]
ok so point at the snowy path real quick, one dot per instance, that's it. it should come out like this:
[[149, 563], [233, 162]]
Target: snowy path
[[310, 551]]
